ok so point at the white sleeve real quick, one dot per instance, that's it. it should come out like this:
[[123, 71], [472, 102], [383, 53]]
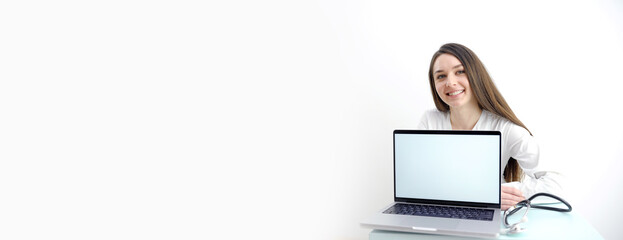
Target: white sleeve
[[431, 120], [423, 125], [525, 149], [549, 182]]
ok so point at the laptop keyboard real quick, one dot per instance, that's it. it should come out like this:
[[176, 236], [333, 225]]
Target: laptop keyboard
[[441, 211]]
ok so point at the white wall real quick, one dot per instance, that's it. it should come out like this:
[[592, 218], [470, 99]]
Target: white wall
[[191, 120]]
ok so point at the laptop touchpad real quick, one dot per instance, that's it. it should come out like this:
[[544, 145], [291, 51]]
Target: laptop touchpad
[[431, 222]]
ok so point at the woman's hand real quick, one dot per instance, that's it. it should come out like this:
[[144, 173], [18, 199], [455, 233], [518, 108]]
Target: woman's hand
[[510, 197]]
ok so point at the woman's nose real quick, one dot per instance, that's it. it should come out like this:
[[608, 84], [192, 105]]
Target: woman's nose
[[451, 81]]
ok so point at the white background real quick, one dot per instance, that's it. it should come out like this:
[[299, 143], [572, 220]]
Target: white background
[[242, 119]]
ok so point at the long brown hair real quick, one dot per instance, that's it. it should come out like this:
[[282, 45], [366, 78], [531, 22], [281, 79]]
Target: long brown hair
[[485, 91]]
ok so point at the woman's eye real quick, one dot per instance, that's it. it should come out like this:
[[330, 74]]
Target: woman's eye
[[441, 76], [460, 72]]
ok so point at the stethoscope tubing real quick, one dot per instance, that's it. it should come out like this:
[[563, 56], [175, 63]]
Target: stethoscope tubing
[[529, 200]]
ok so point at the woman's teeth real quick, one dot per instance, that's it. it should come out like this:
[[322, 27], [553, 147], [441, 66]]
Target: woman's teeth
[[456, 92]]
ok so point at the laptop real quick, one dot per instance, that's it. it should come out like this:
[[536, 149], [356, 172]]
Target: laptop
[[445, 182]]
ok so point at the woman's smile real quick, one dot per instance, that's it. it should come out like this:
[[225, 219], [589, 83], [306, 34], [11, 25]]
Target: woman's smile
[[454, 93]]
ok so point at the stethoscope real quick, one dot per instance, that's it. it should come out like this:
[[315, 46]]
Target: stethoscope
[[515, 227]]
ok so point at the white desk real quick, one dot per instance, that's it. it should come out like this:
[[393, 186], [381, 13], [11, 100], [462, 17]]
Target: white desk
[[542, 224]]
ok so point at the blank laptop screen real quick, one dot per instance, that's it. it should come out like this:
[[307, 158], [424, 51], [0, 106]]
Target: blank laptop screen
[[451, 167]]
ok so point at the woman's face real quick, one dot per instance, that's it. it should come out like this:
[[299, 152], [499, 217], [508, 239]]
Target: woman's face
[[451, 81]]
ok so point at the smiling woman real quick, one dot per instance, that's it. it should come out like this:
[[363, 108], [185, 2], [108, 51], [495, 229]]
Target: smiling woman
[[467, 99], [452, 84]]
